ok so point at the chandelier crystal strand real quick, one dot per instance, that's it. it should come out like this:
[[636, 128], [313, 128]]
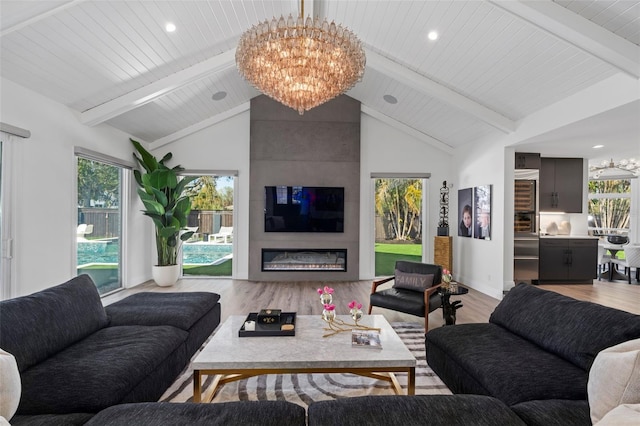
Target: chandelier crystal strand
[[300, 63]]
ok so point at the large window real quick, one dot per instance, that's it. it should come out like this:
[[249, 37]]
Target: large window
[[398, 222], [99, 220], [209, 252], [609, 206]]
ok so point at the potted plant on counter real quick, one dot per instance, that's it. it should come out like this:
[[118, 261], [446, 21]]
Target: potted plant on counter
[[161, 192]]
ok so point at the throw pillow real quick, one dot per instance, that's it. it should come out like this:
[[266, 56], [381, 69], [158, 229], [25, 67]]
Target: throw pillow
[[614, 379], [10, 386], [415, 282], [622, 415]]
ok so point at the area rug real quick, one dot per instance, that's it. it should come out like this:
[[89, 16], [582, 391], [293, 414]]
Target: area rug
[[303, 389]]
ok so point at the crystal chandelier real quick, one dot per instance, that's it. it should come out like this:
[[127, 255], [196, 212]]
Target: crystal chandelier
[[623, 169], [299, 63]]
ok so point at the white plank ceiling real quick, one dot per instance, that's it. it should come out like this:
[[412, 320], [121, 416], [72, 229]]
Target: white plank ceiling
[[494, 64]]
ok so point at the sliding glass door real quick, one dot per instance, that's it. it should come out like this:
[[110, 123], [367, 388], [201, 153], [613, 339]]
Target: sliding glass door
[[99, 222], [209, 252]]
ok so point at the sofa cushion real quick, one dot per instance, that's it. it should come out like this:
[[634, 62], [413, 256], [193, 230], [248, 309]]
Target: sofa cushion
[[73, 419], [100, 370], [554, 412], [490, 360], [10, 386], [415, 410], [622, 415], [244, 413], [573, 329], [180, 310], [415, 282], [614, 379], [37, 326]]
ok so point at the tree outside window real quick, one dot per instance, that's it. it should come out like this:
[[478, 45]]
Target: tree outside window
[[609, 206]]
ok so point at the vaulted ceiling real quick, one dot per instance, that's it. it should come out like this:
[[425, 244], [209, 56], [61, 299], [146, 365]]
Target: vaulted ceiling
[[494, 64]]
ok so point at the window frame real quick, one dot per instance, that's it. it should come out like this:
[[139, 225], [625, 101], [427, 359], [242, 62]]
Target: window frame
[[126, 172], [612, 196]]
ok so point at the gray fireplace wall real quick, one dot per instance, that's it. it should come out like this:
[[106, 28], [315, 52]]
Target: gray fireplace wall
[[319, 148]]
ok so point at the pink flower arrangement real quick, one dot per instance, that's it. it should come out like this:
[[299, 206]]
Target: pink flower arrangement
[[354, 309], [446, 275], [353, 304], [325, 290], [326, 294], [329, 306]]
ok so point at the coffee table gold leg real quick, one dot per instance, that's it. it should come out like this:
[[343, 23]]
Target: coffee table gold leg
[[197, 390], [411, 384]]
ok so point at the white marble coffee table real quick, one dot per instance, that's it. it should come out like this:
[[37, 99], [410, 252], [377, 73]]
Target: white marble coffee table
[[229, 357]]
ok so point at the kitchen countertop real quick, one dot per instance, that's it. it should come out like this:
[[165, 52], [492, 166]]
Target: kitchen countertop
[[586, 237]]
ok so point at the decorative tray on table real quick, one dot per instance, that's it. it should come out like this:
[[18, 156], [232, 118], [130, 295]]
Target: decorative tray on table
[[284, 327]]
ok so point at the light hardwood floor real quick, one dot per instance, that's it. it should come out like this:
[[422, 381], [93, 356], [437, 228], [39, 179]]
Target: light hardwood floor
[[239, 297]]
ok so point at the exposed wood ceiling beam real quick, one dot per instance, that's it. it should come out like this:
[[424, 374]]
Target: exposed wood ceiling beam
[[157, 89], [578, 31], [39, 17], [438, 91]]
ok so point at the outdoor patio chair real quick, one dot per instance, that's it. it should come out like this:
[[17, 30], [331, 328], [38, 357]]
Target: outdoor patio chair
[[82, 230], [224, 235], [415, 290]]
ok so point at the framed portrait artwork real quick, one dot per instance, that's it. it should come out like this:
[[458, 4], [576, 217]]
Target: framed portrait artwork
[[482, 212], [465, 212]]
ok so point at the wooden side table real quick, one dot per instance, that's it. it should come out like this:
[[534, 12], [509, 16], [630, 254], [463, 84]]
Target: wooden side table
[[443, 252]]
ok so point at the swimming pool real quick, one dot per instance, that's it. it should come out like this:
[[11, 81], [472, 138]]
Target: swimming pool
[[108, 252]]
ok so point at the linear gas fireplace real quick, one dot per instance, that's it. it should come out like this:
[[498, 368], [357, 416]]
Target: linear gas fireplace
[[304, 260]]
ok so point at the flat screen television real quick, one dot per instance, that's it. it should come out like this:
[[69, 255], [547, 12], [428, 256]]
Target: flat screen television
[[304, 209]]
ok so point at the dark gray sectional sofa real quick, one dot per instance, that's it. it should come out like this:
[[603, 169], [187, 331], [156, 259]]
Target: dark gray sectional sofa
[[75, 356], [534, 354], [527, 366]]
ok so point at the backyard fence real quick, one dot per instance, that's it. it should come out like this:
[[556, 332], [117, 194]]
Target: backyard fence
[[210, 221], [106, 222]]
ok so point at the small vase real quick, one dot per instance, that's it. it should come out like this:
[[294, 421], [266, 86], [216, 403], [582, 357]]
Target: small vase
[[328, 315], [356, 315], [326, 298]]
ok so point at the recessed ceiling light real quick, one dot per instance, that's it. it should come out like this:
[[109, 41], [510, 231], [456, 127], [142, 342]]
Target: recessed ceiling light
[[170, 27], [433, 35], [390, 99], [597, 146], [218, 96]]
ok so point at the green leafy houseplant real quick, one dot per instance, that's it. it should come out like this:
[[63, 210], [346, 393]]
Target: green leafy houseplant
[[162, 195]]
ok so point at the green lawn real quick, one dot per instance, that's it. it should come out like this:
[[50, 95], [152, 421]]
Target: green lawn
[[221, 270], [387, 254]]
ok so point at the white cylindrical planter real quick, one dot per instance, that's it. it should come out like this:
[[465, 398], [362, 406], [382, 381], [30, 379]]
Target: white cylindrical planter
[[166, 276]]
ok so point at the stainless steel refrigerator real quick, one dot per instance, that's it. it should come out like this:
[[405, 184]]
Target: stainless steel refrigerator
[[526, 225]]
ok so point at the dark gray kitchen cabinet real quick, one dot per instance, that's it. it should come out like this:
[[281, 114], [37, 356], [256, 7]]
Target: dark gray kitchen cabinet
[[527, 160], [561, 185], [568, 260]]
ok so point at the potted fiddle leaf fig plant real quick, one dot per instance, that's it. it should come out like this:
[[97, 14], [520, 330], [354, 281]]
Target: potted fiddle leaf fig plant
[[161, 192]]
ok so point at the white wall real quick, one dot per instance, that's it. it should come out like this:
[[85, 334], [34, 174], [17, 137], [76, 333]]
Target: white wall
[[385, 149], [480, 263], [223, 146], [45, 199]]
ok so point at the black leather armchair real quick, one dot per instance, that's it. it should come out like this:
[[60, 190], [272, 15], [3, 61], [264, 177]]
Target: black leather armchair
[[418, 303]]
